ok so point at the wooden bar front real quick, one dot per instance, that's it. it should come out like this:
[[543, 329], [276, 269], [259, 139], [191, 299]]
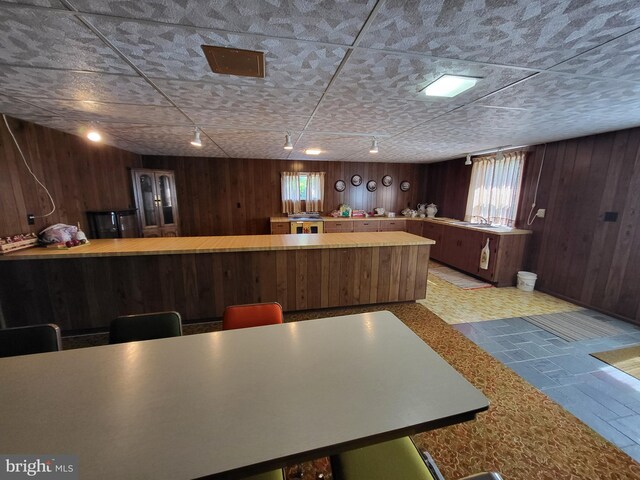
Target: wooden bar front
[[85, 292]]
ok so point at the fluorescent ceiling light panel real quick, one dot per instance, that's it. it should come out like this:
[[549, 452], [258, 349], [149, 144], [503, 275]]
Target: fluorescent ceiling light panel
[[449, 86], [313, 151]]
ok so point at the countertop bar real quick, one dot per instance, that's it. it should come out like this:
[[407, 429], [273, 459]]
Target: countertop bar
[[222, 244]]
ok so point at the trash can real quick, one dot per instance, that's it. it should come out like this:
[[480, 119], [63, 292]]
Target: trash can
[[526, 281]]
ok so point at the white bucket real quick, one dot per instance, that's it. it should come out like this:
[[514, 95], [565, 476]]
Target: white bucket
[[526, 281]]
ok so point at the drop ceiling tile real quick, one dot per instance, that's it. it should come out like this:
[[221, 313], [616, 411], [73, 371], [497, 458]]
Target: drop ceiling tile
[[359, 113], [619, 59], [334, 21], [71, 85], [239, 98], [49, 38], [394, 75], [250, 144], [24, 110], [534, 33], [112, 112], [246, 120], [39, 3], [163, 139], [594, 99], [174, 52], [333, 147]]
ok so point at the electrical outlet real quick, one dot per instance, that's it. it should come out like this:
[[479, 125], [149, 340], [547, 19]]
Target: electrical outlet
[[541, 212], [31, 218]]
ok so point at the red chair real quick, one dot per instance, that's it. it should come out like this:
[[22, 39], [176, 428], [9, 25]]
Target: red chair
[[253, 315]]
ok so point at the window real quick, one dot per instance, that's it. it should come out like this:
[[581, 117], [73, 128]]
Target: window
[[495, 189], [302, 191]]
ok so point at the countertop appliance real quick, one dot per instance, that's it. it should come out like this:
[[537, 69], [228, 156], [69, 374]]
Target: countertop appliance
[[114, 224]]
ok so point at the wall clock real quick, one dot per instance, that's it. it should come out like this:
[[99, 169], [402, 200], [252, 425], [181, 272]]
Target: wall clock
[[372, 185], [405, 186], [340, 186], [356, 180], [387, 180]]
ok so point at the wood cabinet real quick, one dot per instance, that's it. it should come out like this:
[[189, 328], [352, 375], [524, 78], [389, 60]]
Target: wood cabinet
[[462, 247], [338, 226], [393, 225], [414, 227], [366, 226], [155, 196], [280, 228]]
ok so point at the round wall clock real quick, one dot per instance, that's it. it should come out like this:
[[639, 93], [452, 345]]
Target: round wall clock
[[372, 185], [387, 180], [356, 180], [340, 186], [405, 186]]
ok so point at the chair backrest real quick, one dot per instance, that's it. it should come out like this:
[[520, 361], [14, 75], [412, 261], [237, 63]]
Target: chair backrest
[[145, 326], [253, 315], [28, 340]]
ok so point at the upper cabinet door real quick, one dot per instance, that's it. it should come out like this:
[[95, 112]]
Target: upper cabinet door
[[147, 199], [166, 191]]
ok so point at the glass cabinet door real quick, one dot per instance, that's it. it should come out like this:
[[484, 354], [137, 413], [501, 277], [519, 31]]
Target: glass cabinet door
[[165, 188], [148, 199]]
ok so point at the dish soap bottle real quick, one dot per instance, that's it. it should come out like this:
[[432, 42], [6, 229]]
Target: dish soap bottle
[[484, 257]]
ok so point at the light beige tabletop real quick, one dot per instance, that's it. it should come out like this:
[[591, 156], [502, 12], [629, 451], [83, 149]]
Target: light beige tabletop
[[230, 403], [221, 244]]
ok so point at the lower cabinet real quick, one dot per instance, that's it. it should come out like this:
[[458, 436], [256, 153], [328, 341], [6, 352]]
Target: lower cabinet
[[338, 227], [280, 228], [366, 226], [393, 225], [462, 248]]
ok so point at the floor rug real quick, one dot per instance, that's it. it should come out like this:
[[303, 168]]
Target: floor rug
[[625, 359], [524, 435], [577, 325], [456, 278]]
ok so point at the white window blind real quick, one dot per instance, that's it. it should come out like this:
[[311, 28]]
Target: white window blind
[[495, 189]]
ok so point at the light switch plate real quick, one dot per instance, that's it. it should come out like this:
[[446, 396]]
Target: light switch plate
[[541, 213]]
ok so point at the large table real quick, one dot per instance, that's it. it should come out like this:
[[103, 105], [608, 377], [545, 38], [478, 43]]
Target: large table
[[227, 404]]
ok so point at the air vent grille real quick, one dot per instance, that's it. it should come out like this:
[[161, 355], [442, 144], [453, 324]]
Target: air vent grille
[[233, 61]]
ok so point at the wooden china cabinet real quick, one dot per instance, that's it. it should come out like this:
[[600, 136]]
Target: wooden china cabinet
[[155, 196]]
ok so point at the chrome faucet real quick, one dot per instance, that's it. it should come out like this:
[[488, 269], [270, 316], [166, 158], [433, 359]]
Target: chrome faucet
[[484, 221]]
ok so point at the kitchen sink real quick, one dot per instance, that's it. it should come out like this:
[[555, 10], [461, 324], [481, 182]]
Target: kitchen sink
[[500, 228]]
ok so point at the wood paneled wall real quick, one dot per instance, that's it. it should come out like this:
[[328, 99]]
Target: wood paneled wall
[[447, 185], [80, 175], [575, 252], [232, 196]]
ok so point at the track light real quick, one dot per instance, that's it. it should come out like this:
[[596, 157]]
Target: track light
[[287, 142], [499, 156], [196, 142], [468, 160], [374, 146]]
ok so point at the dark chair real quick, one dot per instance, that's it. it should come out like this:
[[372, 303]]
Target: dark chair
[[28, 340], [251, 315], [398, 458], [145, 326]]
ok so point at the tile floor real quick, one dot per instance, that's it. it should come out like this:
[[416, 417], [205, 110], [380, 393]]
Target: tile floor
[[602, 396]]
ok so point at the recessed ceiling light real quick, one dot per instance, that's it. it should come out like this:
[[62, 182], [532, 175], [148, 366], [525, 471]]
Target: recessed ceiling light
[[287, 142], [94, 135], [374, 146], [196, 142], [449, 86], [313, 151]]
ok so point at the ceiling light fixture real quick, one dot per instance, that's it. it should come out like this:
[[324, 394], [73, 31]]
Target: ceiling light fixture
[[287, 142], [374, 146], [313, 151], [196, 142], [468, 160], [449, 86], [94, 135]]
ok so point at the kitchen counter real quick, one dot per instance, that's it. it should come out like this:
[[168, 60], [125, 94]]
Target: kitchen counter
[[86, 287], [222, 244], [437, 220]]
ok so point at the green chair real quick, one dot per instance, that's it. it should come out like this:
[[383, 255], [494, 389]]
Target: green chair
[[145, 326], [28, 340], [398, 458]]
